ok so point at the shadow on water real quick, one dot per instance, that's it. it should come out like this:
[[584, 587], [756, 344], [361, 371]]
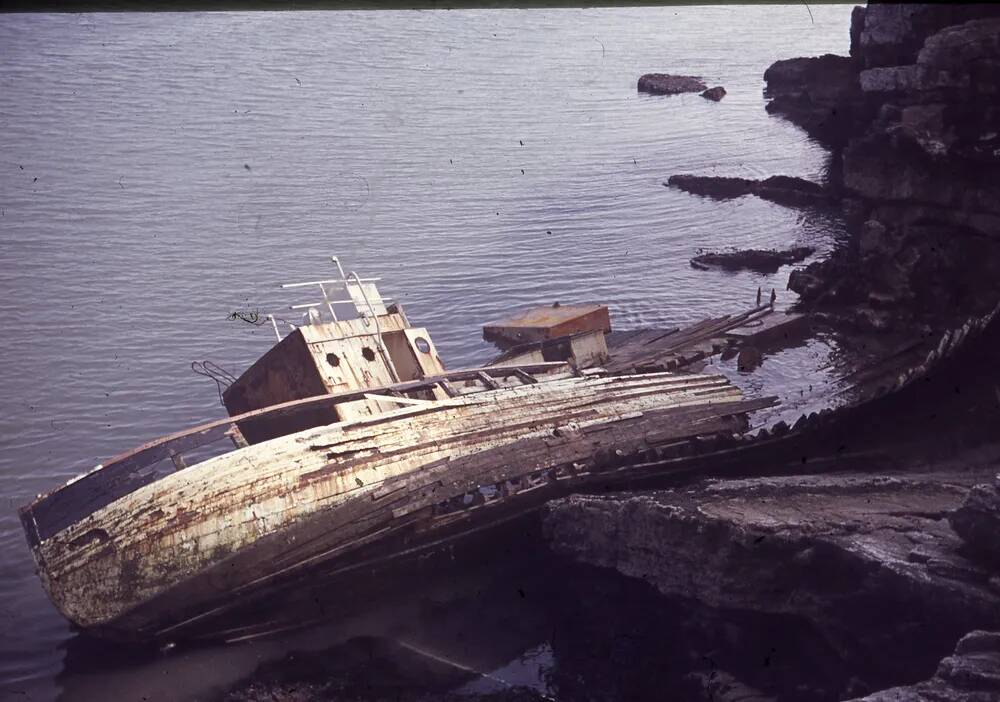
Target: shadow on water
[[500, 617]]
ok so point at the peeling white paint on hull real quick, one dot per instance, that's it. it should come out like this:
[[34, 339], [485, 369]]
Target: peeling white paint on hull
[[157, 560]]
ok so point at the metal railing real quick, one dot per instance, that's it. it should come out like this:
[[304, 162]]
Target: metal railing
[[365, 306]]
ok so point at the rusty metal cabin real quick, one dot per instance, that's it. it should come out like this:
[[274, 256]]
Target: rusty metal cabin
[[377, 348]]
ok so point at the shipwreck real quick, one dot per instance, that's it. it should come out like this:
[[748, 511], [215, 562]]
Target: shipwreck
[[350, 439]]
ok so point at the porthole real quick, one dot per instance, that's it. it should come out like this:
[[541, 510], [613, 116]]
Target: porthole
[[423, 346], [333, 359], [368, 353]]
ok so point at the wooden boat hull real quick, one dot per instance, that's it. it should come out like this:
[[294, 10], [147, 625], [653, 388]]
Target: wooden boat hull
[[162, 560]]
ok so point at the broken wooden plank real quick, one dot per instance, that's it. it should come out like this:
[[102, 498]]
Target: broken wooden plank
[[488, 381], [770, 329], [398, 399]]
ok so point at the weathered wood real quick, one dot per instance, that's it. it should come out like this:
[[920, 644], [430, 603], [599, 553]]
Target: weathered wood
[[239, 441], [584, 349], [768, 330], [398, 399], [120, 475], [299, 508], [674, 349], [362, 532], [488, 382], [526, 378], [178, 460], [448, 388]]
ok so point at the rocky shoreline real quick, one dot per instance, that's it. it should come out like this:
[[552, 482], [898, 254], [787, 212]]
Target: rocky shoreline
[[912, 118], [889, 555], [916, 161], [868, 559]]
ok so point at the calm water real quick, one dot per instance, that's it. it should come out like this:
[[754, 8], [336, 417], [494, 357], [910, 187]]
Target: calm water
[[158, 172]]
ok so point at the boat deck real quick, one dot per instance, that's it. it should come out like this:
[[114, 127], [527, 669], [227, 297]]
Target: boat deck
[[676, 348]]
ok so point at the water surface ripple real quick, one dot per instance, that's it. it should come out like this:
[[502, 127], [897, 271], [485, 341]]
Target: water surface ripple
[[159, 171]]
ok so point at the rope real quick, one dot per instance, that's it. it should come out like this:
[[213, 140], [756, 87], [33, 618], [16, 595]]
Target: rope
[[222, 378]]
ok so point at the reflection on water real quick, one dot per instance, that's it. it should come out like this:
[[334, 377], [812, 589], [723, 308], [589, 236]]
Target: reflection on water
[[160, 171]]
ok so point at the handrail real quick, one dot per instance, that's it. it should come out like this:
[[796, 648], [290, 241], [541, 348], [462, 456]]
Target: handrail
[[54, 511], [378, 329]]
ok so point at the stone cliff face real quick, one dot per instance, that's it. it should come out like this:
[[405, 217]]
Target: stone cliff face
[[913, 117]]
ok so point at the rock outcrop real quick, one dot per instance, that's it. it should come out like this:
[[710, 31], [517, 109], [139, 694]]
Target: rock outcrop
[[893, 34], [784, 190], [977, 521], [913, 116], [820, 94], [971, 674], [715, 94], [870, 560], [667, 84], [759, 260]]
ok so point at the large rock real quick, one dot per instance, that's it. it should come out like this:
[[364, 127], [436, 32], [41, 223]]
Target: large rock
[[890, 79], [819, 94], [961, 47], [870, 560], [667, 84], [714, 94], [971, 674], [977, 521], [959, 63], [857, 28], [893, 34], [891, 166]]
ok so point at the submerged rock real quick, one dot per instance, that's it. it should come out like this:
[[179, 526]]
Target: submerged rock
[[667, 84], [715, 94], [759, 260], [870, 560], [749, 359], [971, 674], [718, 187]]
